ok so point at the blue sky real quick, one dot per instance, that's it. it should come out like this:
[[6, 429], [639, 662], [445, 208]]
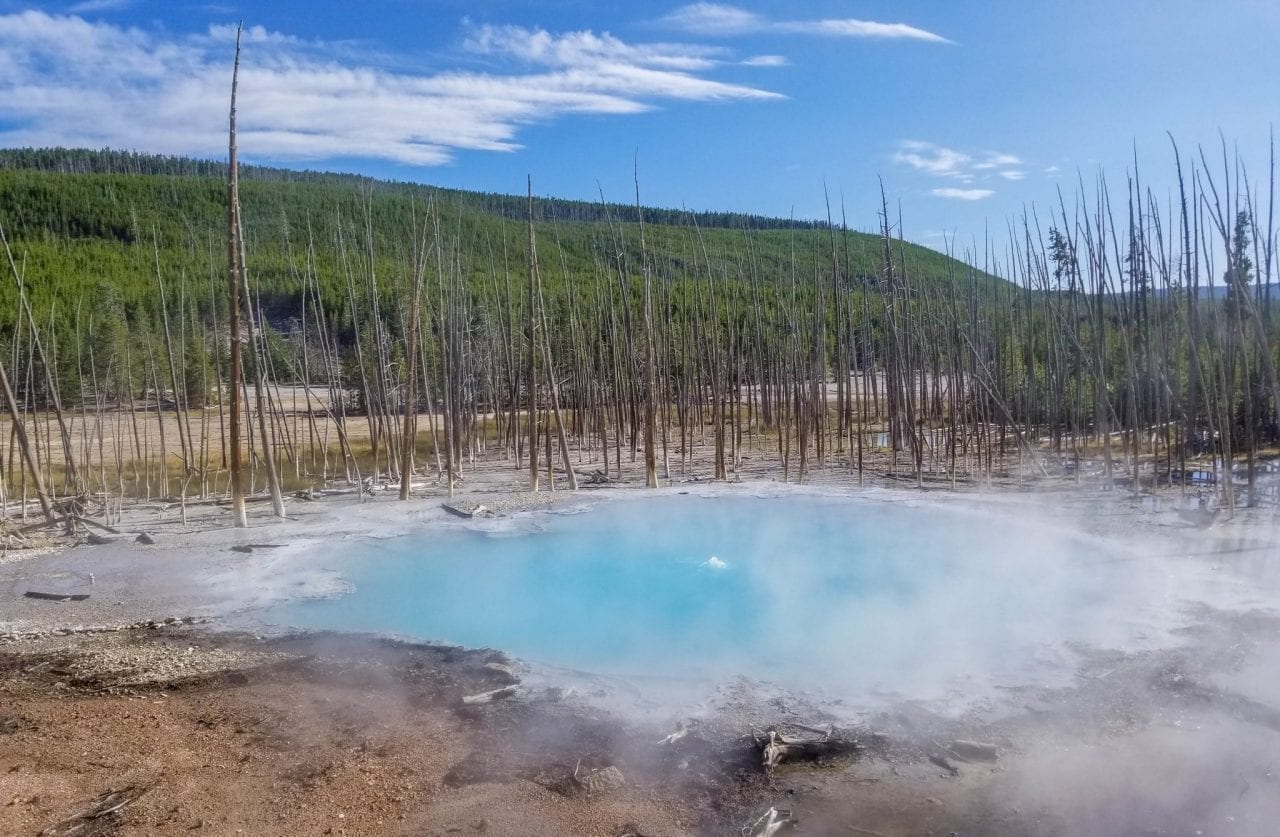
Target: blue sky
[[968, 111]]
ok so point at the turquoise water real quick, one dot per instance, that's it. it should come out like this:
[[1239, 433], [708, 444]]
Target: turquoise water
[[834, 591]]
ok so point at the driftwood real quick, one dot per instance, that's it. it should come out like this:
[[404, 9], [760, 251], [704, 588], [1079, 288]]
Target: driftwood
[[678, 735], [796, 742], [490, 696], [65, 522], [96, 819], [598, 477], [770, 823], [459, 511], [78, 518], [56, 597], [68, 522], [12, 540], [145, 538], [250, 547]]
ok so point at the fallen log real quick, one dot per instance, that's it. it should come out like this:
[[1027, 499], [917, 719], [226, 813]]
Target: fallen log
[[95, 524], [459, 511], [93, 820], [67, 521], [783, 744], [44, 524], [597, 477], [490, 696], [12, 540], [56, 597], [678, 735], [770, 823]]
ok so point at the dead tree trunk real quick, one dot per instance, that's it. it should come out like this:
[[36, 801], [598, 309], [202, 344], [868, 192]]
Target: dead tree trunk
[[531, 337], [24, 445], [233, 280]]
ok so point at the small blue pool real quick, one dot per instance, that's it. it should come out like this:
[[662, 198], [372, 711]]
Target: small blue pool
[[843, 594]]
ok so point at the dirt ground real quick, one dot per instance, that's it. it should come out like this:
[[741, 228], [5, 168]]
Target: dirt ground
[[315, 735], [206, 733]]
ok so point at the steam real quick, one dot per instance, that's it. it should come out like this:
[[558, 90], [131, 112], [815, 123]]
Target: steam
[[861, 600], [1150, 670]]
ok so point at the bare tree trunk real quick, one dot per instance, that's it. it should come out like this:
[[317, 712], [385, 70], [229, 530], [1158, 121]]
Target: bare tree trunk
[[46, 508], [233, 278], [410, 401], [259, 387], [531, 337]]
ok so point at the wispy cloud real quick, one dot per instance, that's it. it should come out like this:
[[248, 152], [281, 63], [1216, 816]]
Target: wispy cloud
[[723, 20], [576, 49], [962, 194], [68, 81], [90, 6], [715, 19], [959, 166], [765, 61], [995, 160], [933, 159]]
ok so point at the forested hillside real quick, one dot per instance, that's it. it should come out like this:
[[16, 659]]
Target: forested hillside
[[95, 224], [1143, 338]]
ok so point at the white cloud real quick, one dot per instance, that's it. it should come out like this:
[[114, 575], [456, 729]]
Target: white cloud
[[995, 160], [722, 20], [67, 81], [933, 159], [576, 49], [715, 19], [963, 167], [765, 61], [853, 28], [226, 34], [962, 194]]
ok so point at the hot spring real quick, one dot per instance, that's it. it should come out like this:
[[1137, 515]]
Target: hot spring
[[845, 596]]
